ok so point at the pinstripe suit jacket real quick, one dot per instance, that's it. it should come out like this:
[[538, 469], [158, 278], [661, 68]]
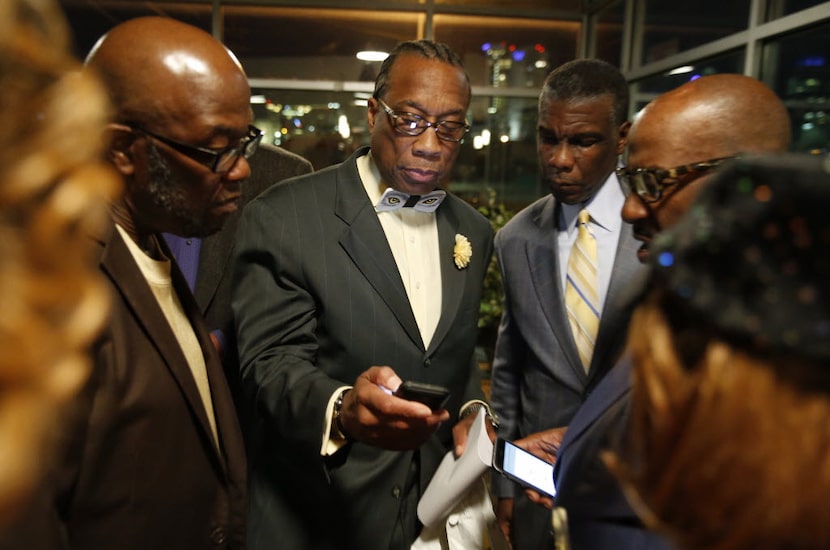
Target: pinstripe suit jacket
[[317, 300], [269, 165]]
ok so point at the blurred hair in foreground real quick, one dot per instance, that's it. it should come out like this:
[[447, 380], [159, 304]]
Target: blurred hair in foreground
[[53, 194]]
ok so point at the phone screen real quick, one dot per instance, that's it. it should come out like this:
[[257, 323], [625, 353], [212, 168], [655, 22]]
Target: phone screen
[[520, 465]]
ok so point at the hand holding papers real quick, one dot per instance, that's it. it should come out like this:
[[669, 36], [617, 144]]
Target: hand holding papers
[[455, 476]]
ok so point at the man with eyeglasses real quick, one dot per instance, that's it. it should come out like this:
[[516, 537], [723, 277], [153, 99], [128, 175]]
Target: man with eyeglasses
[[347, 282], [674, 146], [205, 262], [153, 454], [546, 359]]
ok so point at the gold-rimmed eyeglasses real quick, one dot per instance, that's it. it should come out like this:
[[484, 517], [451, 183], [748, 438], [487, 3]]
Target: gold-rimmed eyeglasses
[[411, 124]]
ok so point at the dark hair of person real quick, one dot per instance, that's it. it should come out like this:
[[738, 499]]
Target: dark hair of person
[[587, 79], [427, 49]]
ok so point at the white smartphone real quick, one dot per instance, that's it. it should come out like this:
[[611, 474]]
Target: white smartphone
[[521, 466]]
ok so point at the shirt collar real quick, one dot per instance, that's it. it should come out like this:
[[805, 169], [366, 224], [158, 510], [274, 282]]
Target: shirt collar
[[605, 207]]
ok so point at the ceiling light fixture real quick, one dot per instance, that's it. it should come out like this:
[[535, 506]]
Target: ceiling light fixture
[[371, 55]]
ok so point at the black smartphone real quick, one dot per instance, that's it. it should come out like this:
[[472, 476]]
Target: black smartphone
[[521, 466], [434, 397]]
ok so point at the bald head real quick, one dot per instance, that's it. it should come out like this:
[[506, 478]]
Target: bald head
[[182, 103], [713, 116], [158, 68]]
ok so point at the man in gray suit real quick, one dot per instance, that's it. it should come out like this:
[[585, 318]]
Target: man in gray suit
[[338, 296], [539, 379]]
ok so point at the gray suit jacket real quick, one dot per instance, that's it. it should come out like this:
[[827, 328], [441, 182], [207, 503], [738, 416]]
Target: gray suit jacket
[[318, 299], [538, 381]]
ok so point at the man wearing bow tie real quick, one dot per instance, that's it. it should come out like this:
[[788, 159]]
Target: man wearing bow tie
[[347, 282]]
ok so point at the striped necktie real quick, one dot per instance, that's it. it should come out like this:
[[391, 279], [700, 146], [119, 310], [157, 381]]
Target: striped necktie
[[581, 295]]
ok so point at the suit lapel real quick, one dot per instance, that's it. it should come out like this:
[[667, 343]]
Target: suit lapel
[[543, 266], [612, 388], [214, 256], [452, 279], [119, 265], [627, 278], [365, 243]]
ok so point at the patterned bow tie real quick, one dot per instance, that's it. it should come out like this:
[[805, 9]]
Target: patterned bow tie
[[392, 200]]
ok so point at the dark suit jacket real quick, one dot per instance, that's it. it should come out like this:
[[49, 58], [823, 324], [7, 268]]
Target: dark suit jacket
[[599, 516], [140, 468], [538, 381], [269, 165], [319, 299]]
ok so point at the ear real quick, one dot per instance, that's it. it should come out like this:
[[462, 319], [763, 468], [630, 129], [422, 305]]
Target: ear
[[622, 139], [120, 139], [372, 112]]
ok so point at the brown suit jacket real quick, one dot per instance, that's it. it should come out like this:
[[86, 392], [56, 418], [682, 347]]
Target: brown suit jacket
[[139, 468]]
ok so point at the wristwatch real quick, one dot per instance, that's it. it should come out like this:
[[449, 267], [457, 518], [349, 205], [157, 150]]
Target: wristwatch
[[336, 423], [472, 407]]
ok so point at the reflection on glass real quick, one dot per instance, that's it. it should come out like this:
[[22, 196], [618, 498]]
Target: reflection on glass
[[680, 25], [89, 19], [797, 67], [508, 52], [647, 89], [497, 156], [610, 33], [314, 43], [780, 8]]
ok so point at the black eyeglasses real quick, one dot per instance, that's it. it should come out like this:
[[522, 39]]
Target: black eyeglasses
[[415, 125], [649, 183], [218, 161]]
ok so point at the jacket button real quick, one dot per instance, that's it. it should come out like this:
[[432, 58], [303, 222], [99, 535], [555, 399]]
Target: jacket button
[[396, 492], [427, 362], [217, 536]]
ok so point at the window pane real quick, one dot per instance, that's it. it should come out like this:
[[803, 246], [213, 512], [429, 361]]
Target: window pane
[[301, 43], [89, 19], [498, 154], [647, 89], [797, 67], [680, 25], [503, 52], [780, 8], [610, 33], [569, 5]]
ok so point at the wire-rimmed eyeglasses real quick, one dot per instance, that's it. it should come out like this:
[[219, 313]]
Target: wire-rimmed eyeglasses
[[218, 161], [411, 124], [649, 183]]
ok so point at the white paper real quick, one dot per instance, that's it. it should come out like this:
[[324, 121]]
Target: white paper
[[455, 476]]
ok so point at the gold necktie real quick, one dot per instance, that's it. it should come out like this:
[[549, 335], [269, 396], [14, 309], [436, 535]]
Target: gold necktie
[[581, 295]]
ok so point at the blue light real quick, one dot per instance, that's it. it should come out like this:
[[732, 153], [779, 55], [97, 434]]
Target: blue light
[[485, 47], [812, 61], [518, 55], [665, 259]]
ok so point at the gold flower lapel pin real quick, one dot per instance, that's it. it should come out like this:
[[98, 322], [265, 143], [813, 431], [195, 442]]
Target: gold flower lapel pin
[[462, 252]]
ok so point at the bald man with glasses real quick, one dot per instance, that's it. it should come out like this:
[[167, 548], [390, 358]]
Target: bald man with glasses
[[153, 454], [674, 146]]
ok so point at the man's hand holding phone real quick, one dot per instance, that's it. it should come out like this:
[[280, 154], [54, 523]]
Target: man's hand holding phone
[[371, 415]]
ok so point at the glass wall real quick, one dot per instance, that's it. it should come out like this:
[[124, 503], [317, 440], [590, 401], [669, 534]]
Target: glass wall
[[788, 48], [310, 89], [797, 67]]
